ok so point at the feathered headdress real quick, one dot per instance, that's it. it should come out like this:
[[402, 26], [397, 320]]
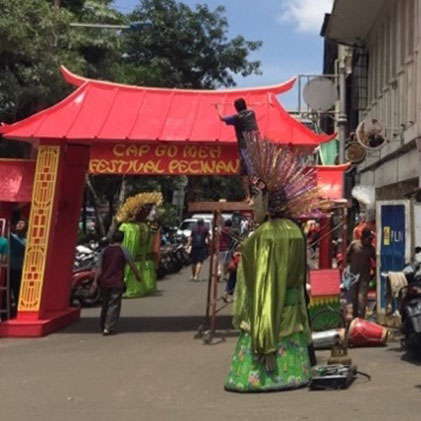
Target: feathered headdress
[[134, 204], [291, 185]]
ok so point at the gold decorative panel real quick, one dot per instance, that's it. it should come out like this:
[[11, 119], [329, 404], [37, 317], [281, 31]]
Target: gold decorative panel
[[39, 227]]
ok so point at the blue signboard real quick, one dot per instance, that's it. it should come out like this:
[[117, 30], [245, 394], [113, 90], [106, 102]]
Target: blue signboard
[[393, 248]]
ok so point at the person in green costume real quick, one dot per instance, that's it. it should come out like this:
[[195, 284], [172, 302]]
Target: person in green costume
[[142, 242], [269, 302]]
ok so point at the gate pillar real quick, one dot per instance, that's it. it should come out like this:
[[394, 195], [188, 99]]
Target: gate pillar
[[52, 235]]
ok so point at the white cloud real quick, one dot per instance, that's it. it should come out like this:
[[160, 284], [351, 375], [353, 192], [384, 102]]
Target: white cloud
[[306, 15]]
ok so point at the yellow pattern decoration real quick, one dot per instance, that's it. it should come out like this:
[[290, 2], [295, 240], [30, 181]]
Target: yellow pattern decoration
[[326, 299], [134, 204], [39, 227]]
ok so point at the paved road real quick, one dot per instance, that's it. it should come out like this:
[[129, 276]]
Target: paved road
[[155, 369]]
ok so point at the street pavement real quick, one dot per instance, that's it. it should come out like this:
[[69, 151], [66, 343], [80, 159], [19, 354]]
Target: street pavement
[[156, 369]]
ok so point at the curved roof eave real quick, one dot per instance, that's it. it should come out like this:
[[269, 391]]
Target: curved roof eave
[[280, 88]]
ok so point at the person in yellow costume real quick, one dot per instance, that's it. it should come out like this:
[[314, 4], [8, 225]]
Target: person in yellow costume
[[142, 241], [269, 302]]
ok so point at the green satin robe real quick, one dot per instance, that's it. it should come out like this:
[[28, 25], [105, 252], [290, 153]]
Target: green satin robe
[[138, 240], [269, 294]]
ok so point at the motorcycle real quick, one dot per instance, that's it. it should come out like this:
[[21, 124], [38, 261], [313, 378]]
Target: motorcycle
[[172, 261], [409, 299], [165, 264], [182, 255], [84, 268], [86, 255], [173, 254], [81, 292]]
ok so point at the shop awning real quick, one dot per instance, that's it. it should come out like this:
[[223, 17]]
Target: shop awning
[[105, 112], [330, 180]]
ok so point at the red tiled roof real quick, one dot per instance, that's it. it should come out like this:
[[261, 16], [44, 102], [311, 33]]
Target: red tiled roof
[[108, 112]]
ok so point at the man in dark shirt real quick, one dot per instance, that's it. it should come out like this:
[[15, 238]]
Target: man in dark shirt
[[361, 255], [199, 243], [110, 277], [244, 121]]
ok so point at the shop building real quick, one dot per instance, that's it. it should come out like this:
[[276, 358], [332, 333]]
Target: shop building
[[386, 85]]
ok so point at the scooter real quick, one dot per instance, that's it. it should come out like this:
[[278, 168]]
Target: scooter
[[409, 299]]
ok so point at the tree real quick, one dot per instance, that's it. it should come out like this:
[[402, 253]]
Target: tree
[[185, 48], [100, 48], [35, 40]]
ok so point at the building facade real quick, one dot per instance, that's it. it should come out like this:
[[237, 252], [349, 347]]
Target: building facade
[[385, 84], [386, 37]]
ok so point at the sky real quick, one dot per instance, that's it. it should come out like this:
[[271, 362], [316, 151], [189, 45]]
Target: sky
[[289, 30]]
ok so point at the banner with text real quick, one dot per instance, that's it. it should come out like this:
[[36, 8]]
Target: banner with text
[[164, 159]]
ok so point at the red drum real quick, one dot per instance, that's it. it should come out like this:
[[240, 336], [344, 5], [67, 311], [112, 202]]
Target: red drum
[[363, 333]]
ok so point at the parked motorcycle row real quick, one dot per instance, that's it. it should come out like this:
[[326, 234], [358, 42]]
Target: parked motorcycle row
[[174, 254], [173, 257]]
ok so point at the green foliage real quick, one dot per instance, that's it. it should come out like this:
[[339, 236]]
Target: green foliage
[[34, 42], [100, 48], [214, 188], [182, 48], [168, 215], [186, 48]]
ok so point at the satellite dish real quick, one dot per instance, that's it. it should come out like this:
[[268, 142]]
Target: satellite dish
[[370, 134], [320, 93], [355, 153]]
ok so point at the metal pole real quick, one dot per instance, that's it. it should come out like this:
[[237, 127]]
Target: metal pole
[[134, 26], [84, 213], [214, 268], [299, 94], [180, 204], [98, 26], [342, 118]]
